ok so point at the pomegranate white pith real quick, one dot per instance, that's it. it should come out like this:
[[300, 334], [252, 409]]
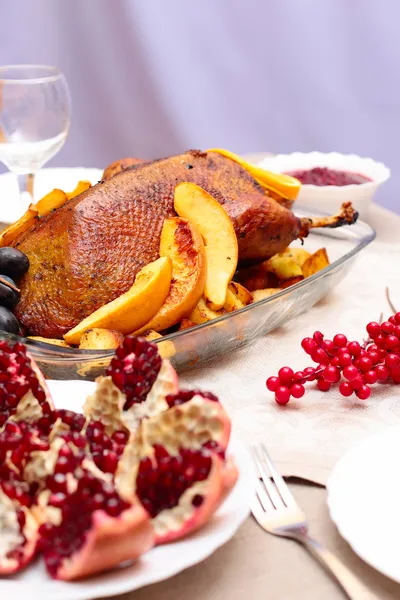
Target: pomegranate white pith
[[18, 536]]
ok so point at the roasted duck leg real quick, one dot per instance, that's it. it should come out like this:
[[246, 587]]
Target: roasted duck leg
[[88, 251]]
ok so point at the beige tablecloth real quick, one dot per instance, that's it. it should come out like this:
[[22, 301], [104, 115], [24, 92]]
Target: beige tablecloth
[[256, 565]]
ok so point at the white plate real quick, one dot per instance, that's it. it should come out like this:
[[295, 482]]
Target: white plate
[[11, 207], [364, 500], [158, 564]]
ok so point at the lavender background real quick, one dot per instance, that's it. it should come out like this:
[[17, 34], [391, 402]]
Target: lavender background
[[154, 77]]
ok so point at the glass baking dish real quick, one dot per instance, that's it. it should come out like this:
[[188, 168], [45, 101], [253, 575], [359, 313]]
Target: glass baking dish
[[206, 341]]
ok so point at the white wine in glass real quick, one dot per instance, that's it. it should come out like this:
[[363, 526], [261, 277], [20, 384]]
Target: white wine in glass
[[35, 110]]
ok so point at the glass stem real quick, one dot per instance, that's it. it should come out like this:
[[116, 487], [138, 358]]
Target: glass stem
[[26, 183]]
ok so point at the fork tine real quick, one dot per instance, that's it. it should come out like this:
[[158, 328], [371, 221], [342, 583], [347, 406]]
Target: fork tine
[[272, 493], [257, 509], [263, 497], [280, 483]]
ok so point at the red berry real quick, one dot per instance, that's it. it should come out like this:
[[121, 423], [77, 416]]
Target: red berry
[[391, 342], [323, 385], [298, 377], [272, 383], [331, 374], [345, 388], [363, 393], [392, 361], [285, 375], [364, 364], [397, 318], [357, 383], [374, 356], [354, 348], [350, 372], [387, 327], [309, 372], [372, 347], [329, 347], [382, 372], [318, 337], [345, 359], [380, 341], [320, 356], [282, 394], [297, 390], [308, 345], [340, 340], [373, 329], [335, 362], [396, 331], [370, 376]]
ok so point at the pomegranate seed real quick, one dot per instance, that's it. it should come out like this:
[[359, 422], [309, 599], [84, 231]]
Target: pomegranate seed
[[197, 500], [121, 437]]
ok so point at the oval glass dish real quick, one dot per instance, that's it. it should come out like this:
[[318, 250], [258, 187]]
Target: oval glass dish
[[203, 342]]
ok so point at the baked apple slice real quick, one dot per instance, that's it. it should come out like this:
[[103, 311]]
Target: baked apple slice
[[280, 184], [133, 309], [183, 244], [197, 206]]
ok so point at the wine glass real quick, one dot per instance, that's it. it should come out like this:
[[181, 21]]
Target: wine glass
[[35, 111]]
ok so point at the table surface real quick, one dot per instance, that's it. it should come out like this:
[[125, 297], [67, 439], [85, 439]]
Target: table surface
[[257, 565]]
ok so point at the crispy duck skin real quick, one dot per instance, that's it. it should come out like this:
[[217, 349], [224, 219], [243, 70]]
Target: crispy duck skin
[[88, 251]]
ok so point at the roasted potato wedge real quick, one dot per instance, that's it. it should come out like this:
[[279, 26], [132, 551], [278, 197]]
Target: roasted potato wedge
[[285, 283], [100, 339], [197, 206], [203, 313], [183, 244], [316, 262], [135, 307], [261, 294], [186, 324], [241, 292], [166, 349], [299, 255], [283, 266], [256, 277]]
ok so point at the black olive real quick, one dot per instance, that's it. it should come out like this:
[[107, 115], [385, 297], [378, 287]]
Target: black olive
[[8, 296], [13, 262], [8, 321]]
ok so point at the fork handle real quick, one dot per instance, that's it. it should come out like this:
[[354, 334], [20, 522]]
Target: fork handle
[[350, 584]]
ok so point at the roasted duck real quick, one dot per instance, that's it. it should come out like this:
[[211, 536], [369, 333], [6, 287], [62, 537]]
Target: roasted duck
[[88, 251]]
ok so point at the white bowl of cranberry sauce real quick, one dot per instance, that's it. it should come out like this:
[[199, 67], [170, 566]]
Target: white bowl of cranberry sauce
[[329, 179]]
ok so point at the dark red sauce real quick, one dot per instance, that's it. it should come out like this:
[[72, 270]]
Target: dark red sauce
[[324, 176]]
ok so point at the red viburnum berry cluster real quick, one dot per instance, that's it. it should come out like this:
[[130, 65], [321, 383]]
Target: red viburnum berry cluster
[[354, 366]]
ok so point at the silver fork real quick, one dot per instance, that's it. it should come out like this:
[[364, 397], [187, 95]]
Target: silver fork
[[277, 512]]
